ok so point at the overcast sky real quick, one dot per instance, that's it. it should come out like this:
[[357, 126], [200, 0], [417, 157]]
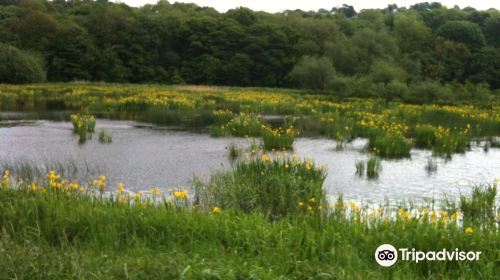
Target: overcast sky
[[280, 5]]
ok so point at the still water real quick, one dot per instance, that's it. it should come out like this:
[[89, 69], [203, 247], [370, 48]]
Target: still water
[[143, 155]]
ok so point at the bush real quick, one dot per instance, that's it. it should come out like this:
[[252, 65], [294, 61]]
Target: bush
[[18, 67], [313, 73], [430, 92]]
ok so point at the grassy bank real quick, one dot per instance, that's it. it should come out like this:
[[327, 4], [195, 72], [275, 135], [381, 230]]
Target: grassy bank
[[65, 237], [236, 226]]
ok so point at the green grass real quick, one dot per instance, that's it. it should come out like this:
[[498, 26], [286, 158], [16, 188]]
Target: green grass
[[277, 187], [55, 236], [390, 146], [360, 168], [105, 137], [243, 125], [373, 167]]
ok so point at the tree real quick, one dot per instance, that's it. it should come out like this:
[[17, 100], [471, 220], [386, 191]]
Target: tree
[[385, 72], [18, 66], [484, 67], [412, 33], [464, 32], [346, 10], [71, 54], [313, 73], [492, 30]]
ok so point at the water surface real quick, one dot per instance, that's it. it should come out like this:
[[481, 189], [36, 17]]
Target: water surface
[[143, 155]]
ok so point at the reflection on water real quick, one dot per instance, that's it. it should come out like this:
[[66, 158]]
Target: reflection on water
[[142, 156]]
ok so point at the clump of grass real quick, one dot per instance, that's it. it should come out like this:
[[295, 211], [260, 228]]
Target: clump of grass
[[425, 136], [389, 145], [234, 152], [431, 166], [449, 142], [244, 125], [222, 116], [276, 187], [479, 209], [105, 137], [373, 167], [278, 139], [360, 168], [84, 126]]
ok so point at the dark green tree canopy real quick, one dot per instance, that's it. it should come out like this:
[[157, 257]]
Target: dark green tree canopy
[[386, 52]]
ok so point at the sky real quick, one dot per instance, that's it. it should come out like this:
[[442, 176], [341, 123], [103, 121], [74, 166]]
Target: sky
[[281, 5]]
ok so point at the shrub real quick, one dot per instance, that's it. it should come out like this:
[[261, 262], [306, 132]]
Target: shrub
[[17, 66], [313, 73]]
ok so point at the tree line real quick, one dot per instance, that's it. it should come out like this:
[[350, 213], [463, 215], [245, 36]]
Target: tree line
[[423, 53]]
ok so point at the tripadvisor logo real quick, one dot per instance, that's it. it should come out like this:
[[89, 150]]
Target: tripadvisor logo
[[387, 255]]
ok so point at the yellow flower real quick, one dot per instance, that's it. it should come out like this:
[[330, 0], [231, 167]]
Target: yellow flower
[[181, 194], [216, 210], [120, 188], [265, 158], [155, 191], [32, 187], [301, 204], [469, 230]]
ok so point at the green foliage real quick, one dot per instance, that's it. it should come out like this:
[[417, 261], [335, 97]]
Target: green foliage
[[105, 137], [276, 187], [339, 51], [278, 139], [244, 125], [313, 73], [19, 67], [373, 167], [464, 32], [479, 208]]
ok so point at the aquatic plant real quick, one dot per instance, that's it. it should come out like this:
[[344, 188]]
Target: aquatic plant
[[243, 125], [274, 186], [83, 125], [233, 152], [431, 166], [105, 137], [360, 167], [279, 138], [373, 167]]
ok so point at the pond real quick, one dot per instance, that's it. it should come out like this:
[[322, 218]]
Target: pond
[[143, 155]]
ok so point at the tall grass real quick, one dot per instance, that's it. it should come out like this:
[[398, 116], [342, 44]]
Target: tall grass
[[243, 125], [105, 137], [279, 138], [373, 167], [83, 125], [58, 235], [277, 187], [479, 209]]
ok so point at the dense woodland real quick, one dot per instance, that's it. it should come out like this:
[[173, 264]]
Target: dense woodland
[[422, 53]]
